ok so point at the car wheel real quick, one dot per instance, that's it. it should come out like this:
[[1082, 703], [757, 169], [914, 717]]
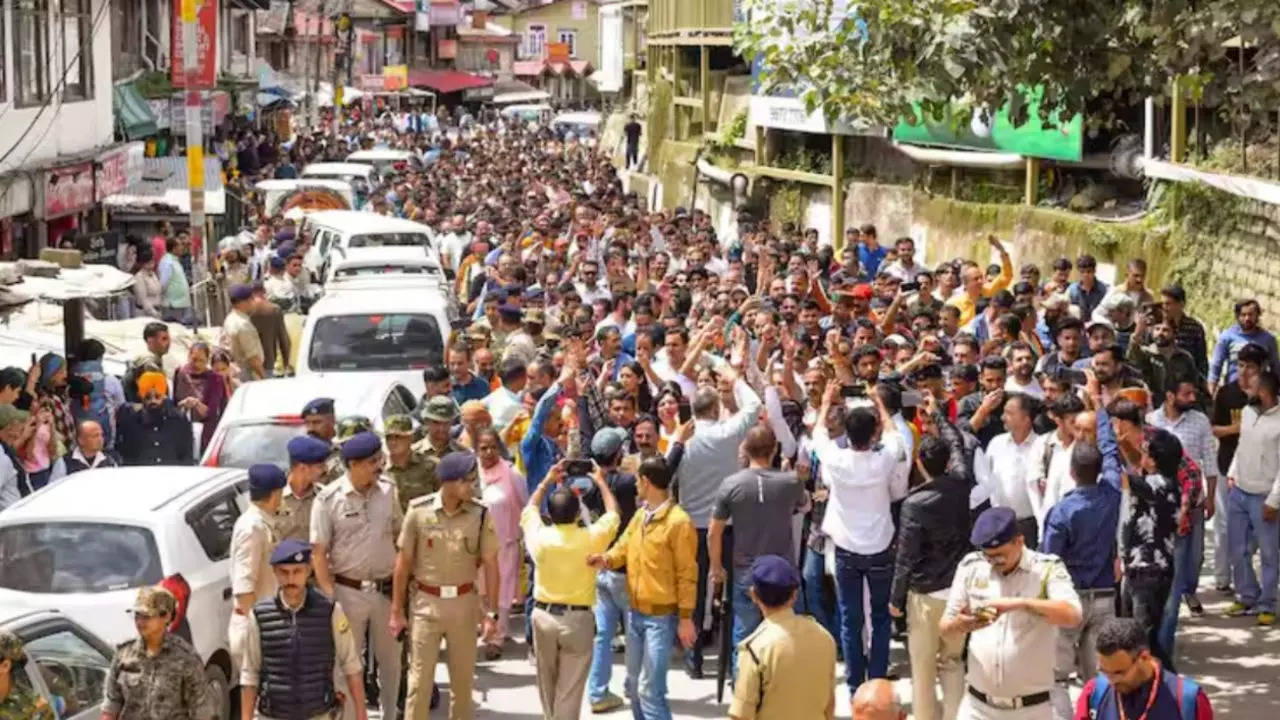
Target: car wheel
[[219, 691]]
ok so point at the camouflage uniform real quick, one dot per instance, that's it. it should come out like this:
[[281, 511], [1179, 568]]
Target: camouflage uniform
[[22, 703], [169, 685], [334, 468], [417, 477]]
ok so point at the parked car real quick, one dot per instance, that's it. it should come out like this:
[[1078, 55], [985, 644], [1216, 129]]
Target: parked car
[[360, 264], [338, 232], [386, 160], [85, 544], [262, 417], [67, 664]]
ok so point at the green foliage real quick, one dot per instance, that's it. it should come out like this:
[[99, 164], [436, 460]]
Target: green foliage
[[805, 160], [874, 62], [154, 85], [788, 202], [726, 141]]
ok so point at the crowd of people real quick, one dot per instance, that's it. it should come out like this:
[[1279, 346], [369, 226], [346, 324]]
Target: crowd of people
[[643, 426]]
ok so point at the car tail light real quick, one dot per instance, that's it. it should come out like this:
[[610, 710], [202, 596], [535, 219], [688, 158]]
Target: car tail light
[[181, 590], [215, 448]]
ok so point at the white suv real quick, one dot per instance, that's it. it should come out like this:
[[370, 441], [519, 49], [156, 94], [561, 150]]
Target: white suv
[[85, 544]]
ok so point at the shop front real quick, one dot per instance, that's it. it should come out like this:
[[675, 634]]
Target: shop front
[[68, 198]]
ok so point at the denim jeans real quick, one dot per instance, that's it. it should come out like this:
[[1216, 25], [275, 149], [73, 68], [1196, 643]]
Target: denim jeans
[[877, 572], [1146, 594], [1245, 525], [817, 602], [746, 616], [1187, 554], [649, 641], [693, 655], [611, 603]]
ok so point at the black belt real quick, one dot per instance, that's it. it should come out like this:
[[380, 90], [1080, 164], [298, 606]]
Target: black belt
[[1096, 592], [1010, 703], [382, 586], [559, 608]]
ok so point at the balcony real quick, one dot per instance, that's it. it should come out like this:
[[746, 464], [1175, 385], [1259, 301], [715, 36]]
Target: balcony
[[691, 22]]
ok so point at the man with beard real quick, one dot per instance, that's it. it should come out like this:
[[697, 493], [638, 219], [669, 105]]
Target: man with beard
[[321, 422], [1022, 365], [1247, 330], [154, 432], [1066, 336], [1162, 360], [1107, 366]]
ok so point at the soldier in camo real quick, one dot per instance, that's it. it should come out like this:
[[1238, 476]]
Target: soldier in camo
[[321, 423], [18, 702], [412, 473], [157, 676], [438, 415]]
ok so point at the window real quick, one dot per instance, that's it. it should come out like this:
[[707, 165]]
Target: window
[[535, 41], [390, 239], [74, 670], [375, 342], [213, 522], [245, 445], [570, 38], [77, 50], [30, 52], [76, 557]]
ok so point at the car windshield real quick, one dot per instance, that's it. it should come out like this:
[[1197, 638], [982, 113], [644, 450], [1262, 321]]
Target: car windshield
[[76, 557], [405, 239], [247, 444], [375, 342], [364, 271]]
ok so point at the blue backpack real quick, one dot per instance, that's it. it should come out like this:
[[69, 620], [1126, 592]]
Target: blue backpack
[[1186, 692]]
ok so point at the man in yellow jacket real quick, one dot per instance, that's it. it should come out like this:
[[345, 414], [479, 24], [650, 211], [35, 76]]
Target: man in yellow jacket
[[973, 288], [659, 551]]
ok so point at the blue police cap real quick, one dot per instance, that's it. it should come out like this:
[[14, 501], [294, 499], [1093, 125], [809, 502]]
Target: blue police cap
[[239, 293], [308, 449], [455, 466], [499, 296], [285, 250], [291, 551], [265, 477], [533, 292], [319, 406], [360, 446], [774, 571], [994, 527], [277, 262], [510, 311]]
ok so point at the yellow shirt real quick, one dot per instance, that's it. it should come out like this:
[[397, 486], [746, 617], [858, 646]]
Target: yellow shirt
[[968, 306], [660, 551], [560, 554]]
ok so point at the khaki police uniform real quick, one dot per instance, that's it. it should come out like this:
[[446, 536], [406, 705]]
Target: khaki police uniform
[[1010, 668], [786, 668], [252, 539], [293, 519], [358, 531], [444, 551], [243, 341]]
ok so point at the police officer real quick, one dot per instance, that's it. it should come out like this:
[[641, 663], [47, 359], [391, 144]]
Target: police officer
[[252, 538], [321, 423], [438, 415], [412, 473], [445, 538], [18, 702], [291, 642], [353, 527], [786, 667], [307, 466], [157, 676], [1011, 600]]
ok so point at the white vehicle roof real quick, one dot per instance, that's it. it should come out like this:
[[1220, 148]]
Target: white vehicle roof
[[285, 397], [525, 108], [341, 169], [375, 295], [425, 267], [578, 118], [296, 183], [125, 494], [364, 222], [383, 155]]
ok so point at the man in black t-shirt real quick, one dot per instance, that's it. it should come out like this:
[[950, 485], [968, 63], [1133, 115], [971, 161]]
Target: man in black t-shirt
[[1227, 406], [632, 131]]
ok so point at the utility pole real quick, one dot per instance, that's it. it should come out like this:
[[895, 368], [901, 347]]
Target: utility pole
[[195, 141], [341, 56]]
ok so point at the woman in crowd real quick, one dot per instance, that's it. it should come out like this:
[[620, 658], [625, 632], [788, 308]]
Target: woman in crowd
[[200, 391], [504, 492]]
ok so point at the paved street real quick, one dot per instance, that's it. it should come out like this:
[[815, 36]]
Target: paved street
[[1237, 662]]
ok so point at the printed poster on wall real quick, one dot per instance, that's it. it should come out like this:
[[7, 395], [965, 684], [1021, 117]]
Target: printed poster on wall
[[206, 75]]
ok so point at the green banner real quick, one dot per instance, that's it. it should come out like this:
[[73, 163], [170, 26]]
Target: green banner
[[1056, 142]]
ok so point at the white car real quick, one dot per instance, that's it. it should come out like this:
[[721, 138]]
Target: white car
[[380, 327], [263, 416], [337, 232], [67, 665], [362, 177], [85, 544], [386, 160], [370, 262]]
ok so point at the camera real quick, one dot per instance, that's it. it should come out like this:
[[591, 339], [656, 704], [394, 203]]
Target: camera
[[578, 467]]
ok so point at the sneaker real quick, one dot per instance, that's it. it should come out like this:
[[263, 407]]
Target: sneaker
[[1193, 604], [606, 703], [1236, 609], [1266, 619]]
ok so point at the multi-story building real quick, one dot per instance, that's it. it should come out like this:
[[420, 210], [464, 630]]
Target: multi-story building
[[559, 45]]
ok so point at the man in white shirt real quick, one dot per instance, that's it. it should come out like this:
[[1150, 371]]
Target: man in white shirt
[[589, 286], [1053, 457], [864, 479], [1022, 371], [1005, 470], [1254, 502], [904, 267]]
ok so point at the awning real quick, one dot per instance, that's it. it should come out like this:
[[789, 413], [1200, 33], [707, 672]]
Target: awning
[[447, 81], [132, 112], [581, 68], [528, 68], [528, 96]]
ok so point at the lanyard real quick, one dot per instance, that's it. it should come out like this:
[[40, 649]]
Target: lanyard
[[1151, 698]]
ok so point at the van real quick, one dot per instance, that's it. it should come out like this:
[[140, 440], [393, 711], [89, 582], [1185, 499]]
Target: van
[[385, 262], [379, 327], [299, 197], [363, 178], [340, 231], [386, 160]]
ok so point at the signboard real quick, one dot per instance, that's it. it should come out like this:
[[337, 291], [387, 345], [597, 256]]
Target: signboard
[[558, 52], [997, 133], [160, 108], [374, 83], [477, 93], [422, 16], [214, 107], [68, 189], [117, 169], [206, 45], [447, 49], [98, 248], [445, 14], [395, 77]]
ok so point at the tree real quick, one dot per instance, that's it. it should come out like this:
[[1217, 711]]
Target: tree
[[871, 59]]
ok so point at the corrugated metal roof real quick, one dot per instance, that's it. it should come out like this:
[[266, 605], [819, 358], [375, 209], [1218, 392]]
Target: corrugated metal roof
[[164, 182]]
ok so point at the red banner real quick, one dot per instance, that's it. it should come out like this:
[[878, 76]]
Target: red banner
[[68, 189], [206, 45]]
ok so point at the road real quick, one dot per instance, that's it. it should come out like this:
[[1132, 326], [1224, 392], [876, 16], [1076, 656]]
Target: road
[[1236, 661]]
